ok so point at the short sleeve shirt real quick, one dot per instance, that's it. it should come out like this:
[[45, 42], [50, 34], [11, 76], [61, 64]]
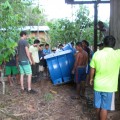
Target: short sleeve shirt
[[46, 51], [21, 50], [34, 51], [12, 60], [107, 64]]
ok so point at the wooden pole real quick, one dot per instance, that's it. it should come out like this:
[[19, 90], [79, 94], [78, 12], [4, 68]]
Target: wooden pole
[[95, 25]]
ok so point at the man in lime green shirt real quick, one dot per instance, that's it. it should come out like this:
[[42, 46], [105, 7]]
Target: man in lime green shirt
[[105, 66]]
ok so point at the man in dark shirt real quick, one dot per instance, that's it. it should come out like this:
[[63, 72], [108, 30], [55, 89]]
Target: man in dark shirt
[[24, 61]]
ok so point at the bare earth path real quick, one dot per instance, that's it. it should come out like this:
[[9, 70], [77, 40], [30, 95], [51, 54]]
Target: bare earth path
[[50, 103]]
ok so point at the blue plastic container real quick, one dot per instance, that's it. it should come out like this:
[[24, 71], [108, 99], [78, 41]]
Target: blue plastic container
[[71, 60], [68, 47], [64, 65], [54, 69], [60, 66]]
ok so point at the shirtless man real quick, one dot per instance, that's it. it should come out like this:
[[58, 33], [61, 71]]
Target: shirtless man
[[79, 69]]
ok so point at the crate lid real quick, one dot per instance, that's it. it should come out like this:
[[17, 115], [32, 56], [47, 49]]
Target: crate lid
[[58, 54]]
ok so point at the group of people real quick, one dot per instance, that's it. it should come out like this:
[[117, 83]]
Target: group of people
[[101, 69], [27, 61], [103, 74]]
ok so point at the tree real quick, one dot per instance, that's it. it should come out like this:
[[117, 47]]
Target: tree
[[64, 30], [35, 16], [12, 19], [83, 24], [59, 31]]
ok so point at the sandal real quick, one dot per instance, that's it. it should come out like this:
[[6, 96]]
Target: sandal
[[75, 97], [83, 97]]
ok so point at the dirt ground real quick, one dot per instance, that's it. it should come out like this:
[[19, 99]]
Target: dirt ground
[[50, 103]]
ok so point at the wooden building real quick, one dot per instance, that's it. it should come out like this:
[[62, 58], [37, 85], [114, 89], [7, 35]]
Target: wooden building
[[40, 32]]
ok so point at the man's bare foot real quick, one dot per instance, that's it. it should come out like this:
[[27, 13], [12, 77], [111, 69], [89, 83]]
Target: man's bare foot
[[11, 84]]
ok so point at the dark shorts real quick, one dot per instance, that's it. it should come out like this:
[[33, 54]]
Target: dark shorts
[[42, 62], [88, 68], [35, 69], [80, 74], [45, 64]]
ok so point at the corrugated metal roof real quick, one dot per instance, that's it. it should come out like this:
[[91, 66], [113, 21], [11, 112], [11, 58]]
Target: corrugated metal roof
[[36, 28], [31, 28]]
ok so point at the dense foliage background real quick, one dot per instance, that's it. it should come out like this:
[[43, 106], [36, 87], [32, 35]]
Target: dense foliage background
[[15, 14], [65, 30]]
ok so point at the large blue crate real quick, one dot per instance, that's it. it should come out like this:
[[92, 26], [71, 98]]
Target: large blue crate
[[60, 66], [54, 69], [69, 47], [64, 66], [71, 60]]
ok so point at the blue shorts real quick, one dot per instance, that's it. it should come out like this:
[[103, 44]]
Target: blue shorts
[[104, 100], [88, 69], [25, 67], [80, 74]]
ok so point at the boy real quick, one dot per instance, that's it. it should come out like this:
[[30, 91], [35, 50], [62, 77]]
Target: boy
[[11, 69], [25, 61], [79, 69]]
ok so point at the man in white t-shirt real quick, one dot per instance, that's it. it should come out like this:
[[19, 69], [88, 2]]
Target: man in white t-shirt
[[35, 59]]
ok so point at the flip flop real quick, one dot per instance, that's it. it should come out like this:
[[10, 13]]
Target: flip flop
[[83, 97], [75, 97]]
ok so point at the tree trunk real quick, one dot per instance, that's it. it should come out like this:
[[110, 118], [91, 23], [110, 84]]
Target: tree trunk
[[115, 21]]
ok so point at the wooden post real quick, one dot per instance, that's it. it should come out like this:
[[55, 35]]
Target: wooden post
[[95, 2], [2, 80], [115, 21], [95, 25]]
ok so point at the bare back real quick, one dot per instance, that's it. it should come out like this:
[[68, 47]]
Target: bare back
[[82, 58]]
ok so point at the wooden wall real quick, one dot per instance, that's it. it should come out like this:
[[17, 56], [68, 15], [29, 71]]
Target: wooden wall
[[115, 20], [41, 36]]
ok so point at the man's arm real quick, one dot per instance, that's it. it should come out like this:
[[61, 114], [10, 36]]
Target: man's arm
[[118, 52], [76, 63], [32, 59], [92, 73], [16, 59], [28, 54], [86, 58]]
